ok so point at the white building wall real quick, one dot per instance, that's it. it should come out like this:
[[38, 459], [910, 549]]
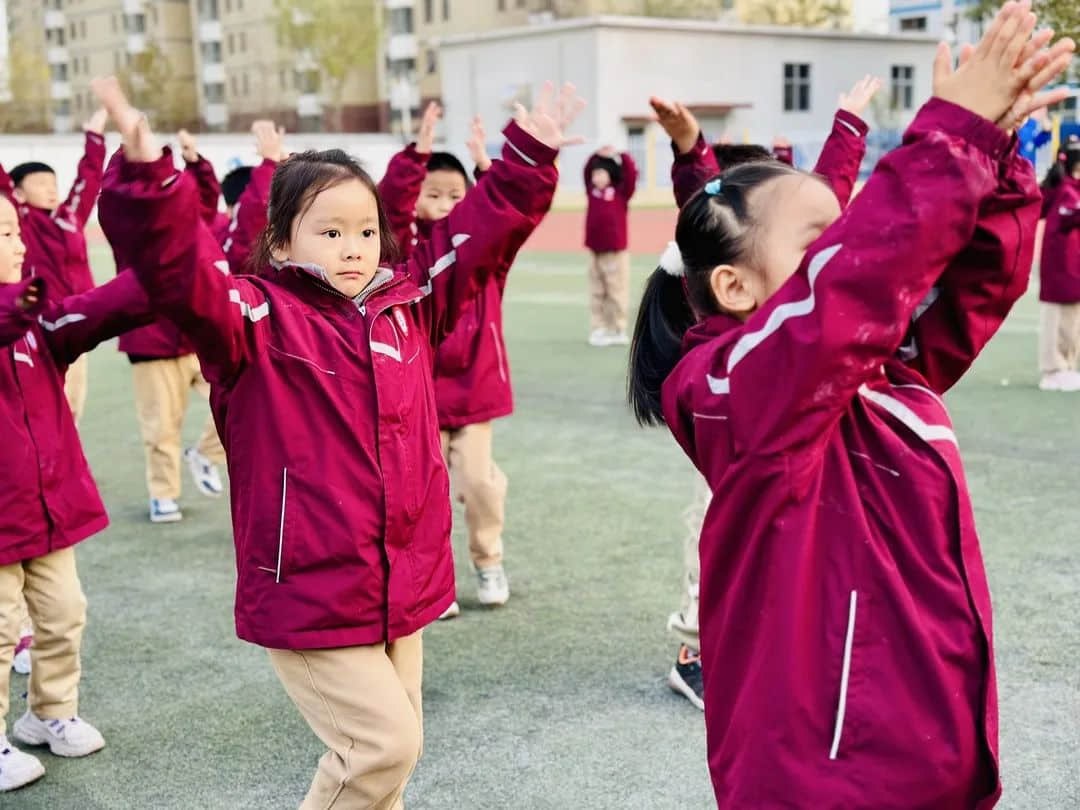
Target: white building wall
[[618, 63], [945, 19]]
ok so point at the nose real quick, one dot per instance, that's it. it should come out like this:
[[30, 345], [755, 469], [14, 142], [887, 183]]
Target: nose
[[20, 246], [351, 249]]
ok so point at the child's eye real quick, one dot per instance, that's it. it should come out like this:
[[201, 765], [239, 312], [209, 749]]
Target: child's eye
[[332, 233], [369, 233]]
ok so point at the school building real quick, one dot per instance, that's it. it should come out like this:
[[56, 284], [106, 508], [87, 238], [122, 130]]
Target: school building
[[752, 83]]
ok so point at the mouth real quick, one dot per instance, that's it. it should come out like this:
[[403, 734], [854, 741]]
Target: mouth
[[354, 275]]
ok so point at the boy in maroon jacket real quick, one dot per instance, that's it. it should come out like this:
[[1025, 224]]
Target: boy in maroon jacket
[[472, 374], [48, 500], [610, 180], [54, 231]]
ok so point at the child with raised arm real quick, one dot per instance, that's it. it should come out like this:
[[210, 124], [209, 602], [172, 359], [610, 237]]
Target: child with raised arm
[[321, 375], [843, 595]]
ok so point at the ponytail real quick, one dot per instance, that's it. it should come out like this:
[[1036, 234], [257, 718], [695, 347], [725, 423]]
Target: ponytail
[[1067, 161], [662, 320]]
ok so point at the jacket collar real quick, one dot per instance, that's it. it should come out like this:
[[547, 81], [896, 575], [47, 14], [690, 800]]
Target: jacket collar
[[712, 327], [316, 279]]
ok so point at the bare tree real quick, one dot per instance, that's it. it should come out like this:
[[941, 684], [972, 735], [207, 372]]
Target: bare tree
[[340, 36]]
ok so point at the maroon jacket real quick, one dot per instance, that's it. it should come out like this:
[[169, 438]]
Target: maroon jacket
[[1059, 269], [325, 405], [843, 594], [248, 219], [605, 219], [48, 499], [55, 241], [472, 369], [838, 163]]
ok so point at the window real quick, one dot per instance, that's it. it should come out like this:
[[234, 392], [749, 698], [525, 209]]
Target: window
[[913, 23], [153, 15], [112, 22], [78, 102], [211, 52], [59, 73], [135, 23], [902, 88], [401, 21], [214, 93], [796, 87], [242, 41], [247, 85], [283, 79], [432, 62], [500, 5], [308, 81], [232, 85], [521, 3], [445, 10], [232, 44], [62, 108], [208, 9], [228, 6], [636, 145], [429, 11], [239, 5], [72, 31], [82, 29]]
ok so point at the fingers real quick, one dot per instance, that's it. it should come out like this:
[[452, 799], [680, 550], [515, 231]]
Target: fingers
[[965, 54], [1057, 61], [943, 68], [543, 99], [662, 108], [1020, 40], [1040, 101], [1000, 34]]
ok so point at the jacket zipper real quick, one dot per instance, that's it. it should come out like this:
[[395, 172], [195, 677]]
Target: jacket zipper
[[841, 707], [281, 529]]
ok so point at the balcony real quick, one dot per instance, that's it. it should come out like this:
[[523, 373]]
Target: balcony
[[58, 55], [213, 73], [401, 46], [60, 90], [134, 6], [136, 43], [216, 115], [54, 19], [210, 31], [404, 94], [308, 105]]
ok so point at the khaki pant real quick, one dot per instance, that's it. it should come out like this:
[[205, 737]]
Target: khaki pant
[[481, 486], [364, 704], [1059, 337], [609, 289], [75, 383], [684, 622], [161, 398], [57, 606]]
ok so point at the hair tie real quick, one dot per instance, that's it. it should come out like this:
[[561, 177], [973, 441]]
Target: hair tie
[[671, 262], [712, 188]]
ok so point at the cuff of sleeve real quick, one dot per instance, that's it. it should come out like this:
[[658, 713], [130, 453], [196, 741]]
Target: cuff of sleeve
[[851, 121], [700, 148], [521, 147], [415, 155], [95, 138], [159, 171], [25, 317], [944, 116]]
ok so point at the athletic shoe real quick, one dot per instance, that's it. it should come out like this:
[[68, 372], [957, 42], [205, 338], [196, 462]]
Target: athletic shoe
[[17, 768], [618, 339], [204, 473], [451, 612], [66, 738], [599, 337], [21, 662], [685, 677], [1060, 381], [165, 510], [492, 587]]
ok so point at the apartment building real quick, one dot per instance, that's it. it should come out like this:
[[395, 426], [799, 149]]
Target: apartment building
[[950, 20]]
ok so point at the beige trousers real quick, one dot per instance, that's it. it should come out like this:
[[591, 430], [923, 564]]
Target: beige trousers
[[50, 585], [364, 704], [684, 622], [75, 383], [161, 398], [609, 290], [481, 486], [1059, 337]]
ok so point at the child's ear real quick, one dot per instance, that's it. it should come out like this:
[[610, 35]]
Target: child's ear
[[731, 286], [280, 254], [17, 193]]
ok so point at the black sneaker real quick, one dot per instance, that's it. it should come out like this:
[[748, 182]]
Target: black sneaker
[[685, 677]]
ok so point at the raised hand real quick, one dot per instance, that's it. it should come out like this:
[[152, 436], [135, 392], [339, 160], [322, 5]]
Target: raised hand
[[96, 122], [678, 122], [477, 145], [31, 295], [189, 150], [425, 137], [550, 117], [140, 145], [1002, 78], [856, 100], [269, 140]]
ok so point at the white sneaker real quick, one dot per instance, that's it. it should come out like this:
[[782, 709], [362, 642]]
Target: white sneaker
[[17, 768], [21, 662], [204, 473], [452, 612], [599, 337], [1060, 381], [66, 738], [492, 587], [165, 510], [618, 339]]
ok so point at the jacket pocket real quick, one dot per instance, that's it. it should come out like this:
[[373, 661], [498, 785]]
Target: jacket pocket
[[276, 570], [499, 351], [845, 675]]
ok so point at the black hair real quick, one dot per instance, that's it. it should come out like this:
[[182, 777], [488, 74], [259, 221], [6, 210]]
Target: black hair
[[609, 165], [446, 162], [296, 183], [730, 155], [1067, 161], [713, 229], [20, 172], [234, 183]]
